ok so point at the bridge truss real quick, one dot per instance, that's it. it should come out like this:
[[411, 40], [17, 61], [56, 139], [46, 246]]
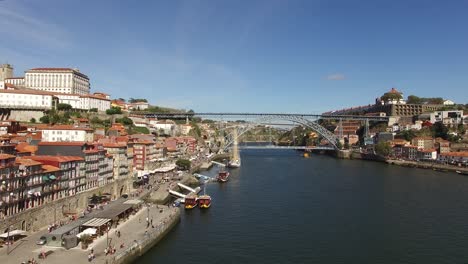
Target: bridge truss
[[306, 120]]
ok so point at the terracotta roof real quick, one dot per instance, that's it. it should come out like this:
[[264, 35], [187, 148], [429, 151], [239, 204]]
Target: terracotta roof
[[14, 78], [76, 71], [49, 168], [62, 143], [27, 162], [54, 158], [25, 147], [455, 154], [115, 145], [6, 156], [95, 97], [37, 92]]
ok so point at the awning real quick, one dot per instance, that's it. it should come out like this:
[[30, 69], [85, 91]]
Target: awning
[[13, 233], [97, 222], [45, 178], [52, 177], [87, 231]]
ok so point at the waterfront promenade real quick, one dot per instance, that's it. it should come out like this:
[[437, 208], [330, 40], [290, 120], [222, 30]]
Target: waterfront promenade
[[132, 230]]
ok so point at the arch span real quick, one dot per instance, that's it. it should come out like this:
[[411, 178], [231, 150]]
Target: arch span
[[325, 133]]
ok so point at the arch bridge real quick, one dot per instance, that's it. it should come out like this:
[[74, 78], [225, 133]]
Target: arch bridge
[[306, 120]]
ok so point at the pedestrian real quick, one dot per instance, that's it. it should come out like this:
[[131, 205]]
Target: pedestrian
[[118, 234], [139, 219]]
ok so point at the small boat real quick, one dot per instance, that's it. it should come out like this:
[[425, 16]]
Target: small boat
[[204, 201], [190, 201], [223, 176], [234, 164], [462, 172]]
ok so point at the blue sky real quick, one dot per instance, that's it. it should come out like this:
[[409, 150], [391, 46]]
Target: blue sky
[[264, 56]]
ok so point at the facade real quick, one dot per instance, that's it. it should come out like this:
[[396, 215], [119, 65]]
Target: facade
[[409, 152], [84, 102], [166, 127], [27, 99], [454, 157], [442, 146], [452, 117], [144, 152], [423, 142], [118, 151], [6, 71], [61, 133], [60, 80], [17, 81], [427, 154], [139, 106]]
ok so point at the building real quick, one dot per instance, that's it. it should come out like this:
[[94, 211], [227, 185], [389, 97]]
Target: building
[[119, 153], [423, 142], [426, 154], [98, 168], [164, 127], [139, 106], [17, 81], [85, 102], [59, 80], [67, 168], [452, 117], [392, 97], [27, 99], [409, 152], [144, 152], [6, 71], [442, 145], [454, 157], [63, 133], [449, 102]]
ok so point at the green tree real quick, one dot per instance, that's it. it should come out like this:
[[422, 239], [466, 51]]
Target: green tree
[[183, 164], [413, 99], [440, 130], [64, 107], [383, 148], [33, 120], [93, 110], [114, 111], [124, 121], [45, 119]]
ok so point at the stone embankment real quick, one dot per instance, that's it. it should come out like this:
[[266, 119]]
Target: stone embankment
[[427, 165], [162, 196]]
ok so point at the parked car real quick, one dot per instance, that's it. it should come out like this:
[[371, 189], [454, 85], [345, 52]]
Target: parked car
[[41, 241]]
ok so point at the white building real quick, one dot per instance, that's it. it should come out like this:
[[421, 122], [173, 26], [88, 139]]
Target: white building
[[27, 99], [59, 80], [139, 105], [447, 117], [84, 102], [449, 102], [167, 127], [93, 101], [17, 81], [67, 133], [185, 129]]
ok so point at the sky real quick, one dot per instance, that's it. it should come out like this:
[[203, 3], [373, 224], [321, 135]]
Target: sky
[[276, 56]]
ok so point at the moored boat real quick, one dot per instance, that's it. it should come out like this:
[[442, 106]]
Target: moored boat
[[204, 201], [462, 172], [190, 201], [223, 176], [234, 164]]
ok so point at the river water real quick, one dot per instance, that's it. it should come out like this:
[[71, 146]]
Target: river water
[[282, 208]]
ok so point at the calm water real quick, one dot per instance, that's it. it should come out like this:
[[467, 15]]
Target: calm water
[[282, 208]]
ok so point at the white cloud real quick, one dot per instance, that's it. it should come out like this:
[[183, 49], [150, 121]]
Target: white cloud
[[336, 77], [20, 25]]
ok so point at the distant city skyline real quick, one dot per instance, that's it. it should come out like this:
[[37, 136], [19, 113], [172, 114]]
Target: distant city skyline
[[262, 56]]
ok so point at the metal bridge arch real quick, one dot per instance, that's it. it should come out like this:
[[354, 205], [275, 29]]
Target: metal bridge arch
[[325, 133]]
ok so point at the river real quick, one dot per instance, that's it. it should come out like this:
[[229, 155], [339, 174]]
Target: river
[[282, 208]]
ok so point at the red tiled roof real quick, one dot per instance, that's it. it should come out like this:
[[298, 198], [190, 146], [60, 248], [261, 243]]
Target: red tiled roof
[[6, 156], [49, 168], [27, 162], [62, 143], [455, 154], [54, 158]]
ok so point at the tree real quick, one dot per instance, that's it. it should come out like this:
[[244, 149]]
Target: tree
[[136, 100], [64, 107], [94, 110], [33, 120], [124, 121], [440, 130], [45, 119], [413, 99], [383, 148], [183, 164], [114, 111]]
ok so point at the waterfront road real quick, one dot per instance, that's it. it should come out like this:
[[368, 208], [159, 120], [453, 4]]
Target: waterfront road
[[132, 229]]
